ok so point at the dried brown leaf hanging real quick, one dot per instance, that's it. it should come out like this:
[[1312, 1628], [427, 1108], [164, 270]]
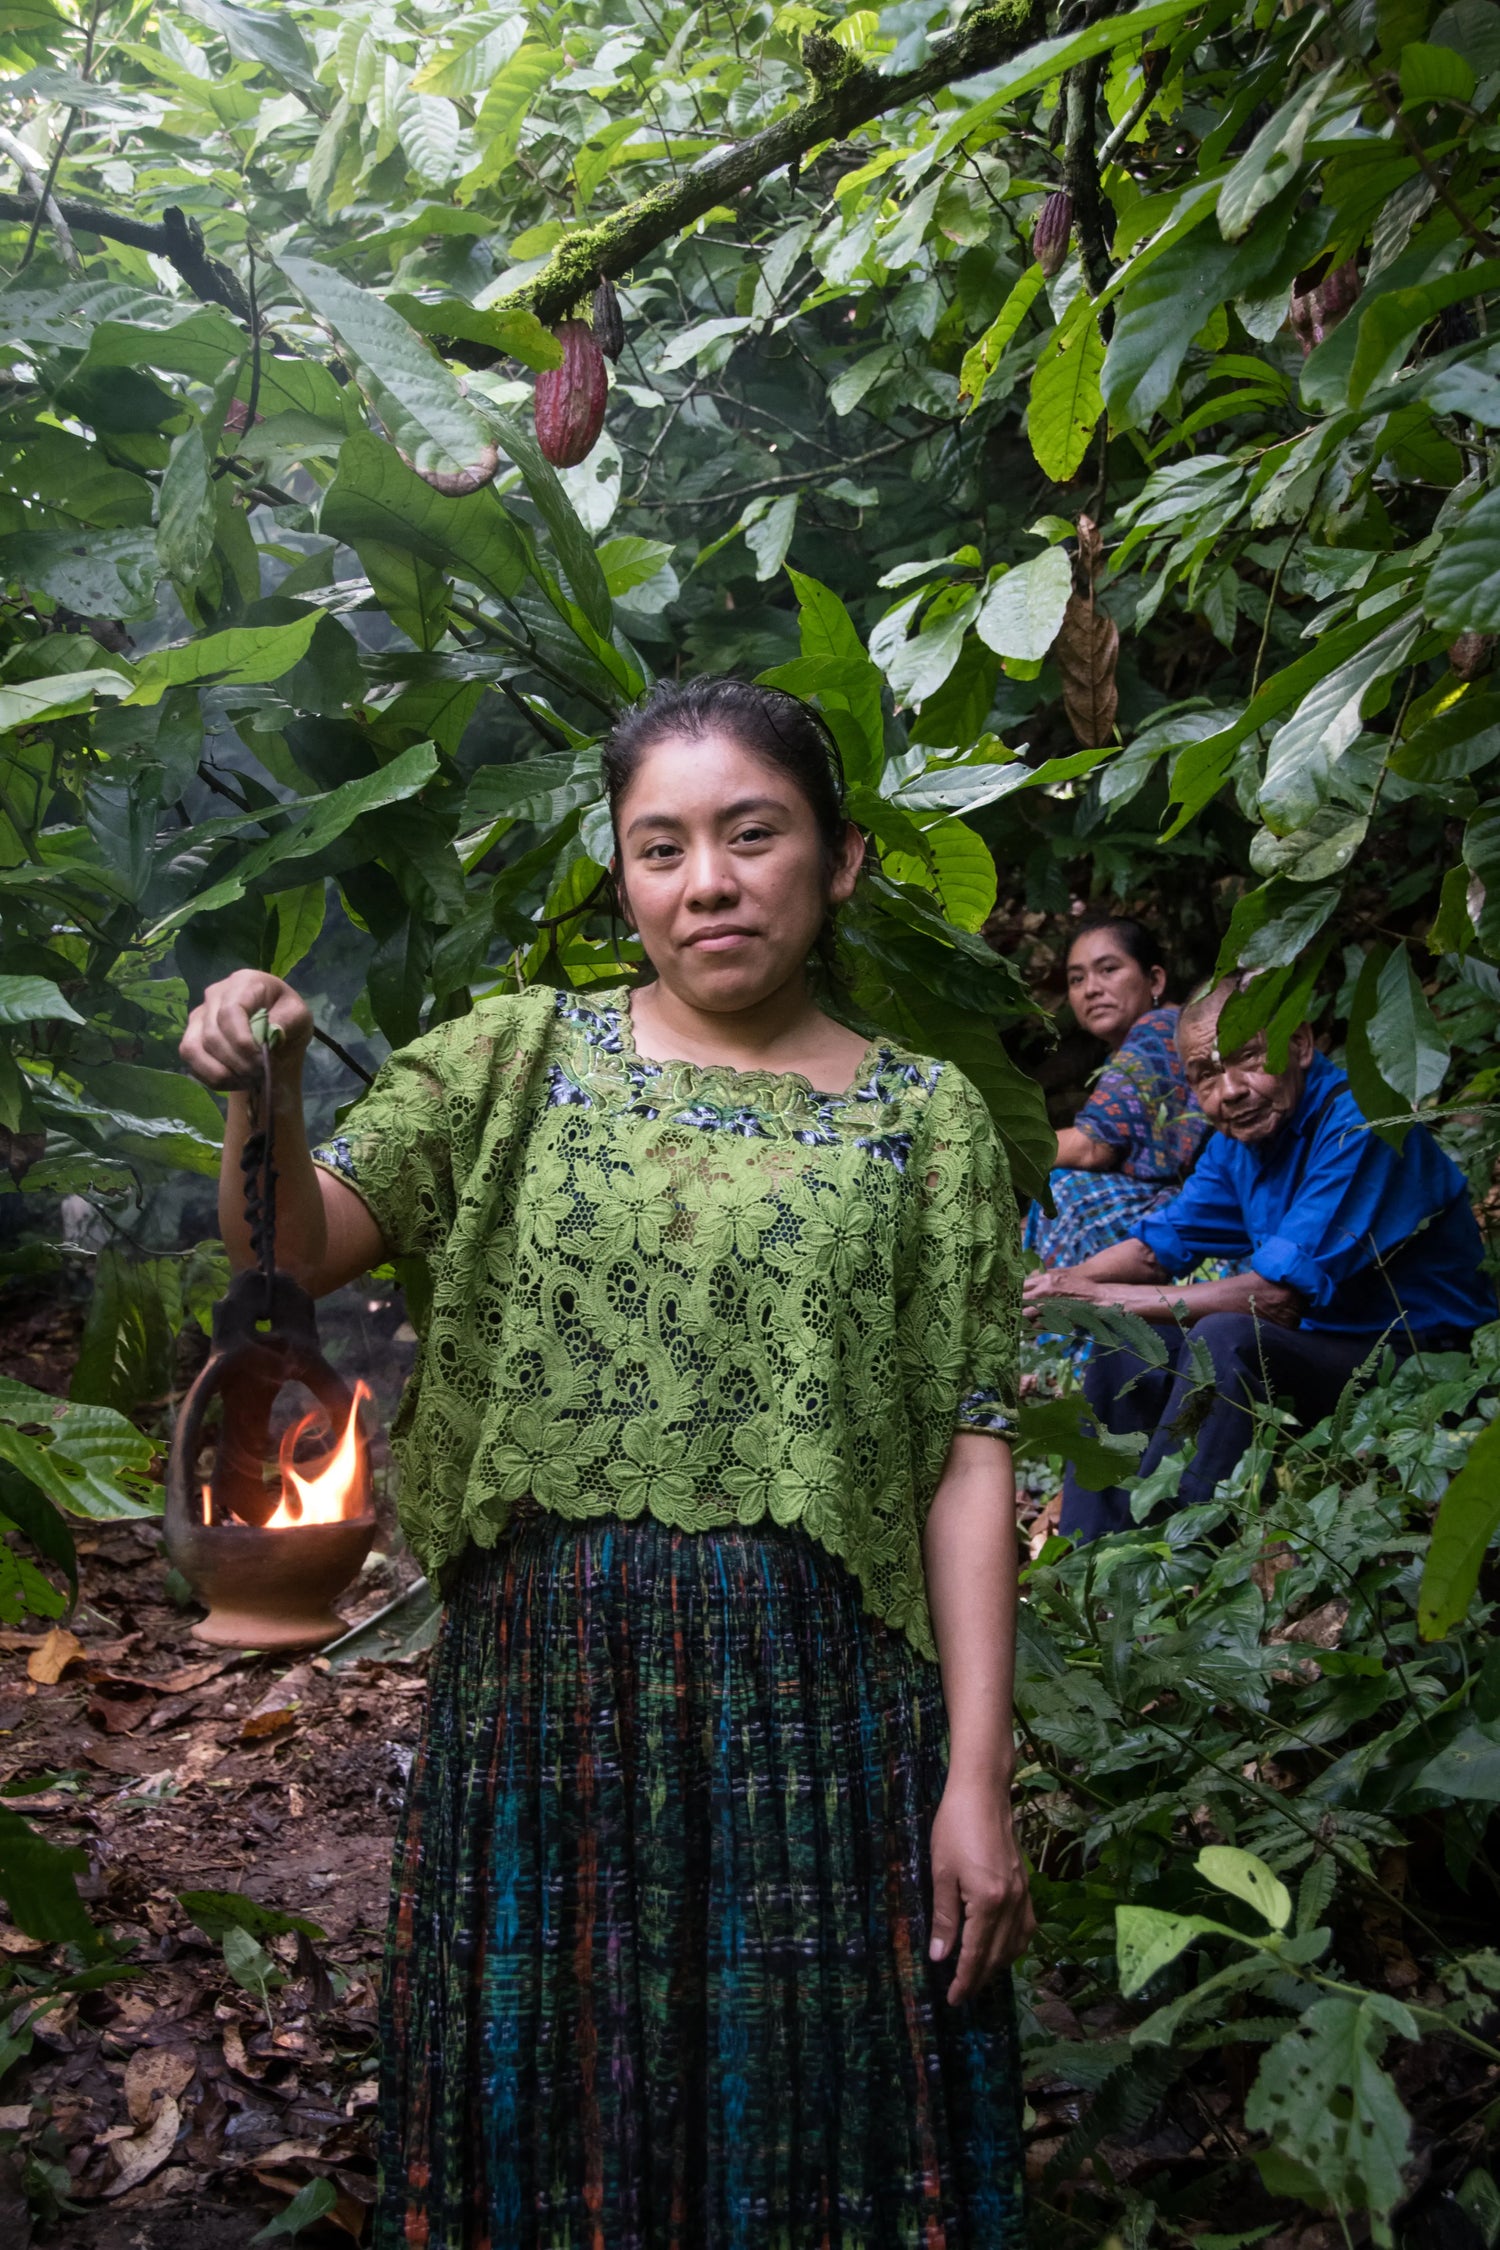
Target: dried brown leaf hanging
[[1086, 650]]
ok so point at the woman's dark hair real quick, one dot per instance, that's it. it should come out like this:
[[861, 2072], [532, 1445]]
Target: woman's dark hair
[[1136, 939], [766, 721]]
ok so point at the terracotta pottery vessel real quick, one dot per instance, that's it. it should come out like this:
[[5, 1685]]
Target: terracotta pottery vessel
[[269, 1588]]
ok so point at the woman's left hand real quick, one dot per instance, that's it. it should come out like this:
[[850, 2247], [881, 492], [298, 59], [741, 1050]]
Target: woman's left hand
[[980, 1895]]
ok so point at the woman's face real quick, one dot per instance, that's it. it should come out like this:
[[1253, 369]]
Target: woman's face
[[722, 871], [1108, 987]]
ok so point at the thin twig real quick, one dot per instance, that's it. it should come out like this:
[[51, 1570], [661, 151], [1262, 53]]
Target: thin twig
[[326, 1039]]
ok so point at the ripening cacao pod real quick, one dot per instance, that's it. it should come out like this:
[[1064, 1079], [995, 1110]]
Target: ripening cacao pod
[[1472, 654], [609, 327], [570, 399], [1049, 241]]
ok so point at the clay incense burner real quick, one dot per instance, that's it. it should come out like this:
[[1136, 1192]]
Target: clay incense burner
[[254, 1552]]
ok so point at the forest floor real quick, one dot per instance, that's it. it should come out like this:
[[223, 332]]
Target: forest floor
[[176, 2109]]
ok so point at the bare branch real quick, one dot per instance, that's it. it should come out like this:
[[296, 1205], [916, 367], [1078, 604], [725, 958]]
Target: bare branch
[[178, 239]]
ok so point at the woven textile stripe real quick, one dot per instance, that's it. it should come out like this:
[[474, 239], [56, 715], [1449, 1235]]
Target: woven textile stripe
[[657, 1977]]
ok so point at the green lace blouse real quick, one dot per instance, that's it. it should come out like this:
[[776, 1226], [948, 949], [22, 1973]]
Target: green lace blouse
[[716, 1295]]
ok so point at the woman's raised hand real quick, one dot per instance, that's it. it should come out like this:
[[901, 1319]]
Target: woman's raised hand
[[220, 1045]]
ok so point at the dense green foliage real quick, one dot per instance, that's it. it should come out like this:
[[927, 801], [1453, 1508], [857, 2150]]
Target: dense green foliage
[[1168, 573]]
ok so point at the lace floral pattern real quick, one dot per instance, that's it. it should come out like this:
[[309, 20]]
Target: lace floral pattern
[[717, 1296]]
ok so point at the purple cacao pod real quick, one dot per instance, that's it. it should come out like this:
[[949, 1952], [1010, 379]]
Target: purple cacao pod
[[570, 399], [1049, 241]]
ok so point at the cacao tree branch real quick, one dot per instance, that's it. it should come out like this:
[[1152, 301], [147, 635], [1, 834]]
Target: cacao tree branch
[[44, 203], [845, 96], [178, 239], [1081, 172]]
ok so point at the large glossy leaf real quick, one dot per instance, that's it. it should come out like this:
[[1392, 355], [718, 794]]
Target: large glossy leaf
[[375, 496], [1023, 611], [574, 548], [419, 402], [1409, 1050], [318, 823], [24, 703], [1463, 586], [1065, 397], [1303, 751], [97, 573], [260, 35], [246, 655], [34, 1000]]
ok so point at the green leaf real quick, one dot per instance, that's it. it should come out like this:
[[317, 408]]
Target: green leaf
[[1467, 1521], [1434, 74], [982, 358], [1462, 594], [307, 2206], [1148, 1941], [185, 510], [628, 562], [375, 496], [1244, 1876], [1161, 311], [318, 822], [251, 1966], [470, 66], [1022, 613], [1066, 1429], [574, 548], [1468, 1770], [512, 90], [542, 790], [1378, 1102], [218, 1912], [962, 871], [1326, 2104], [1046, 59], [508, 329], [1302, 753], [1270, 160], [430, 129], [260, 35], [25, 703], [1066, 401], [34, 1000], [1393, 321], [37, 1882], [1407, 1048], [245, 655], [419, 402], [300, 915], [95, 573], [768, 533]]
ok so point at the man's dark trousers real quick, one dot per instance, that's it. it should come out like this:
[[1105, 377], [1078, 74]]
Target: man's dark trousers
[[1252, 1361]]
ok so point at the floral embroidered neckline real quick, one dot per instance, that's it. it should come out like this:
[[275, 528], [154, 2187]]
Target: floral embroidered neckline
[[606, 1028]]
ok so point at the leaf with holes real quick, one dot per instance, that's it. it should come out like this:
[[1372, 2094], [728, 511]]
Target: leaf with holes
[[1326, 2103]]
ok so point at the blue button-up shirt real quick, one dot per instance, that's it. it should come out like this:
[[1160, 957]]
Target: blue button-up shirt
[[1368, 1238]]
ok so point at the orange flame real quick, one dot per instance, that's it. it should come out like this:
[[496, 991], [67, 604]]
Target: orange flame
[[337, 1489]]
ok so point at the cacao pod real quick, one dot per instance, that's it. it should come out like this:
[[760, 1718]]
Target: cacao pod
[[609, 328], [570, 399], [1049, 241], [1472, 654]]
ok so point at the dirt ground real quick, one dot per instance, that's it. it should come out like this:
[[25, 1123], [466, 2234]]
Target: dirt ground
[[176, 2108], [179, 1769]]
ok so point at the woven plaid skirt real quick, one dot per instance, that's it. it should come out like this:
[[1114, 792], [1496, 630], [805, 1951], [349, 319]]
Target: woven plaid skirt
[[657, 1975]]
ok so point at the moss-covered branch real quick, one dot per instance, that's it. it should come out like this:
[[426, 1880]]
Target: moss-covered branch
[[845, 96]]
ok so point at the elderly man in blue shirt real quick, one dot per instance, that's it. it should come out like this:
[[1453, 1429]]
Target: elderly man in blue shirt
[[1344, 1245]]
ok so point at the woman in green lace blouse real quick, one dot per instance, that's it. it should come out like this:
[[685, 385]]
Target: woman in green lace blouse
[[707, 1883]]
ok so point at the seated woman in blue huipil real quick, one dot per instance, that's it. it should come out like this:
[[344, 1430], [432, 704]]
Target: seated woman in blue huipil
[[1137, 1136]]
